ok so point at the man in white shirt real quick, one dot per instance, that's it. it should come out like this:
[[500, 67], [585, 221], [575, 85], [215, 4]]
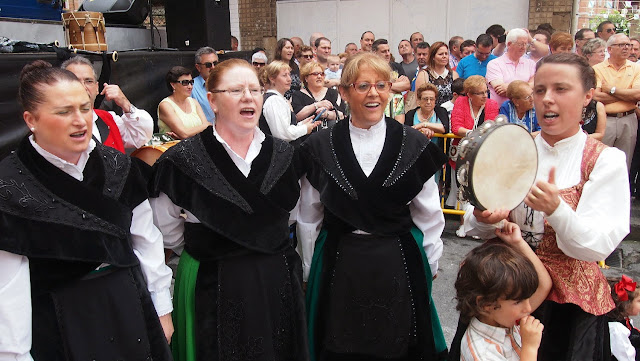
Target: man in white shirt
[[135, 125]]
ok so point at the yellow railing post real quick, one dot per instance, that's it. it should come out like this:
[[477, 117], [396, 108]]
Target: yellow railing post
[[443, 194]]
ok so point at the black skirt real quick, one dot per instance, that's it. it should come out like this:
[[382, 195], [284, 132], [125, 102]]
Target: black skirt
[[106, 315]]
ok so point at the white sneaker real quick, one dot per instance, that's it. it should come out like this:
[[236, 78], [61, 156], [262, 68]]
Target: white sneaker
[[460, 231]]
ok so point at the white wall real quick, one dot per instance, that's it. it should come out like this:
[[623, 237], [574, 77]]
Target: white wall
[[235, 21], [343, 21]]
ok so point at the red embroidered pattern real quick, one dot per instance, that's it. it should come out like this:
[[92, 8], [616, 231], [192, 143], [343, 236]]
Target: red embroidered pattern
[[575, 281]]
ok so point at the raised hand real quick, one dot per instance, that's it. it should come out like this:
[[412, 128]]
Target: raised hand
[[544, 196]]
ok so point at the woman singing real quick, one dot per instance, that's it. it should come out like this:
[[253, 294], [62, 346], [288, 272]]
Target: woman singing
[[225, 194], [81, 264], [575, 214]]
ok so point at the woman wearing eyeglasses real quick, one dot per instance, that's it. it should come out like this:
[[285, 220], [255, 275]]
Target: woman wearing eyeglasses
[[314, 98], [179, 115], [278, 118], [519, 108], [225, 196], [469, 112], [369, 226], [595, 51]]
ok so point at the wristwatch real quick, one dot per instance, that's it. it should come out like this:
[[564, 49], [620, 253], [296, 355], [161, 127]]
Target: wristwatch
[[612, 91]]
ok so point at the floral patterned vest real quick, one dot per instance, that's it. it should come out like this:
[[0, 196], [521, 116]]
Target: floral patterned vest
[[575, 281]]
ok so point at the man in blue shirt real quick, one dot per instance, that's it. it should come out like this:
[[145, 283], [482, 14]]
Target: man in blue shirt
[[206, 60], [476, 64]]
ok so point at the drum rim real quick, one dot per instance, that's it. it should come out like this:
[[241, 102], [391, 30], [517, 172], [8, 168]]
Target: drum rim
[[469, 192]]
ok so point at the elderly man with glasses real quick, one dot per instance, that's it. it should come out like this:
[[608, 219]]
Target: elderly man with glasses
[[618, 88], [132, 129], [206, 60], [511, 65]]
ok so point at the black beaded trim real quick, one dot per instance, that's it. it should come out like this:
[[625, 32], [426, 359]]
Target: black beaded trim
[[192, 159], [342, 181], [399, 170], [280, 161], [115, 163], [23, 197]]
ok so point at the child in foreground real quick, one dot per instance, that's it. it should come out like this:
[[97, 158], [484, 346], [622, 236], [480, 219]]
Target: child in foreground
[[625, 338], [499, 284]]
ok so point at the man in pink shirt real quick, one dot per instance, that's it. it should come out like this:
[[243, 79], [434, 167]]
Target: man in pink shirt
[[510, 66]]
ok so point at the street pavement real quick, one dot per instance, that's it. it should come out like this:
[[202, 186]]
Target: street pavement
[[624, 260]]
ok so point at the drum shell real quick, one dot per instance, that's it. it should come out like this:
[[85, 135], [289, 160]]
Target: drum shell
[[521, 150], [465, 163], [150, 153], [85, 30]]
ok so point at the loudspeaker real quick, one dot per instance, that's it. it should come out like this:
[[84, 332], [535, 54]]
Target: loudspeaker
[[192, 24], [128, 12]]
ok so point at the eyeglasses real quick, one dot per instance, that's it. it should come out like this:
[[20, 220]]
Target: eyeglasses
[[88, 81], [317, 73], [480, 94], [431, 100], [622, 45], [209, 64], [186, 82], [239, 92], [255, 63], [610, 30], [519, 44], [364, 87], [528, 97], [307, 56]]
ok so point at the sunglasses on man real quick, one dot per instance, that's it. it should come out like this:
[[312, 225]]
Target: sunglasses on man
[[209, 64]]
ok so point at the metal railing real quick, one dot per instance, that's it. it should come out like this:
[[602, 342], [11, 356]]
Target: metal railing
[[443, 192]]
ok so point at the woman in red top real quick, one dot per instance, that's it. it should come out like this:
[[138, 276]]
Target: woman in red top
[[469, 112]]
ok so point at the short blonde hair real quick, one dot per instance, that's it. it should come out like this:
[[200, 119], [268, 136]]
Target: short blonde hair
[[353, 65], [473, 83], [272, 70], [516, 89]]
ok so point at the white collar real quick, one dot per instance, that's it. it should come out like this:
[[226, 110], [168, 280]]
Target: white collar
[[74, 170], [380, 126], [258, 138], [579, 137]]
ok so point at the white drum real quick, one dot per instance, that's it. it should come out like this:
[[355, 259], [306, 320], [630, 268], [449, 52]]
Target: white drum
[[496, 166]]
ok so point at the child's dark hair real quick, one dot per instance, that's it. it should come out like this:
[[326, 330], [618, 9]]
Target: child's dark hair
[[622, 307], [492, 271], [458, 86]]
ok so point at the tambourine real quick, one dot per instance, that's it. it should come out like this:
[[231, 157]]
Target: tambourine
[[496, 165]]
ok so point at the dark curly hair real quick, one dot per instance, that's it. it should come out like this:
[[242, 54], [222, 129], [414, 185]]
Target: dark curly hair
[[622, 307], [492, 271]]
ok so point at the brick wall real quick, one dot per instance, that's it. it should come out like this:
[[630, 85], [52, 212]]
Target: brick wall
[[556, 12], [258, 24]]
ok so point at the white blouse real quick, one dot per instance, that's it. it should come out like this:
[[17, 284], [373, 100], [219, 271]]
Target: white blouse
[[600, 221], [425, 207], [277, 112], [135, 128], [15, 286]]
